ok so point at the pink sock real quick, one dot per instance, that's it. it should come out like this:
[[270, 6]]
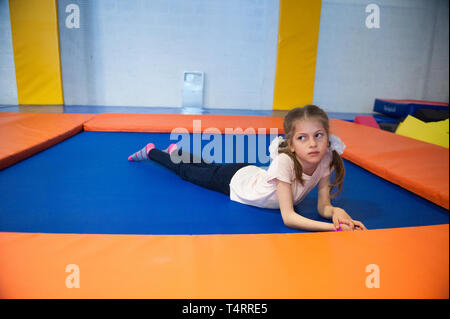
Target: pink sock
[[172, 148], [141, 155]]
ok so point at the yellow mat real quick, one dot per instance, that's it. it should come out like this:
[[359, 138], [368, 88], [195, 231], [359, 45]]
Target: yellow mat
[[432, 132]]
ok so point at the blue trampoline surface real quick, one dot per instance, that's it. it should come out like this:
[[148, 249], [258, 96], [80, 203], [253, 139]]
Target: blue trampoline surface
[[85, 184]]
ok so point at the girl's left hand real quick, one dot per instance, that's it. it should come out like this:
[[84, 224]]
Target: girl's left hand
[[341, 217], [359, 225]]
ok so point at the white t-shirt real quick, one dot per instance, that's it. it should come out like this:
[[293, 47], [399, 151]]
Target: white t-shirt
[[256, 186]]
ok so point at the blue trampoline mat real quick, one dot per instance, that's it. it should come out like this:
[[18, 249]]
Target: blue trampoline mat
[[86, 185]]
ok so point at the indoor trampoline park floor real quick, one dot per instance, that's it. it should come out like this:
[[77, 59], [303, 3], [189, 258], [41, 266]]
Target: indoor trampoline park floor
[[71, 197]]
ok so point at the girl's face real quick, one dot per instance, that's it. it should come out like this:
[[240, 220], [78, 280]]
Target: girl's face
[[309, 143]]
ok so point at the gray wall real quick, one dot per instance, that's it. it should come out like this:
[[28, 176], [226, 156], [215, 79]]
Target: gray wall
[[8, 85], [134, 52], [436, 86], [406, 58]]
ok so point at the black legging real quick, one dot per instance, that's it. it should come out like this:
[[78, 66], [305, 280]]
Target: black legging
[[213, 176]]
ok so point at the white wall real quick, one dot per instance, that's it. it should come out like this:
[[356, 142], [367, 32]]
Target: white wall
[[8, 86], [406, 58], [134, 53], [436, 87]]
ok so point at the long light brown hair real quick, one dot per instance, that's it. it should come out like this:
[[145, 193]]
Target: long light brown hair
[[303, 113]]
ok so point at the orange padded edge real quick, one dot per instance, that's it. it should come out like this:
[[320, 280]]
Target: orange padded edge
[[419, 167], [24, 134], [412, 263], [166, 123]]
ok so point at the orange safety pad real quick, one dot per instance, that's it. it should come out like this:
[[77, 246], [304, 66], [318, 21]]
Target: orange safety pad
[[166, 123], [24, 134], [419, 167], [407, 263]]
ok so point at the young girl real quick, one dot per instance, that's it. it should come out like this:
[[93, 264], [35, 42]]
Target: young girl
[[306, 158]]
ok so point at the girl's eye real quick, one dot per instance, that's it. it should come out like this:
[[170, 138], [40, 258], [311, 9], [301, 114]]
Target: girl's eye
[[319, 134], [301, 138]]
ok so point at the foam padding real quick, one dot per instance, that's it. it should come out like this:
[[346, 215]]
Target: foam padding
[[431, 132], [24, 134], [366, 120], [298, 37], [166, 123], [35, 40], [85, 184], [411, 263], [427, 115], [403, 108], [420, 167]]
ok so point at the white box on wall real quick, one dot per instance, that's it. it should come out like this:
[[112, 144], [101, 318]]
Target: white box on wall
[[193, 84]]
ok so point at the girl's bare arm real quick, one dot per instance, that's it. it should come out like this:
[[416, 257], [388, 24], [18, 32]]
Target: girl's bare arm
[[290, 218]]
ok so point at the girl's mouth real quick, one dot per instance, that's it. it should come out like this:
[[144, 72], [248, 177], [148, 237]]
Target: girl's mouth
[[313, 153]]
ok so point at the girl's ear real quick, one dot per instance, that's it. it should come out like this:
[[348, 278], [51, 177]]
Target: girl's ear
[[291, 148]]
